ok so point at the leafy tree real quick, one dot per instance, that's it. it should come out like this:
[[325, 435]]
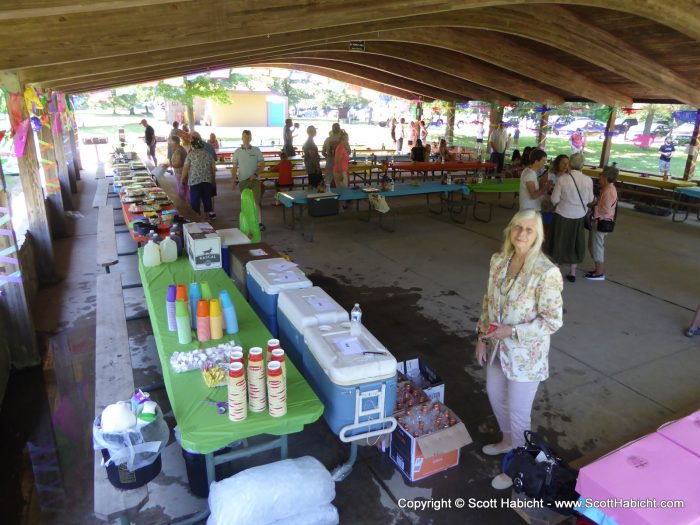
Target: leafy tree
[[121, 101], [342, 101], [202, 86], [146, 96], [285, 86]]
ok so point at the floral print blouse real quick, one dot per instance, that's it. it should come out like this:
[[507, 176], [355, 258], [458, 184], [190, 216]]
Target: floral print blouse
[[533, 305]]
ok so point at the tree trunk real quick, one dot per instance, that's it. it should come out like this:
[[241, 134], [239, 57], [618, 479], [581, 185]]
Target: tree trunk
[[190, 115], [650, 120], [132, 111], [450, 131]]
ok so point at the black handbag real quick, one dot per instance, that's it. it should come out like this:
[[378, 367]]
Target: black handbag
[[550, 480], [607, 225]]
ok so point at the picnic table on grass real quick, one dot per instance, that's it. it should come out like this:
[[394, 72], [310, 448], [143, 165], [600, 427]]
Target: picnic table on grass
[[441, 167]]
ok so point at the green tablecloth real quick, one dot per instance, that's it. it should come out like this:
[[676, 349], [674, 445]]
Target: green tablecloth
[[491, 186], [201, 428]]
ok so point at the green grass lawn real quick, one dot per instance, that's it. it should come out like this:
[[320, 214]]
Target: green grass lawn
[[628, 156]]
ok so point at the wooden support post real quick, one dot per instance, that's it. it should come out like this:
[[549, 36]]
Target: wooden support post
[[692, 150], [18, 338], [74, 146], [542, 129], [62, 167], [419, 110], [54, 199], [607, 142], [36, 209], [495, 117], [450, 131], [73, 174]]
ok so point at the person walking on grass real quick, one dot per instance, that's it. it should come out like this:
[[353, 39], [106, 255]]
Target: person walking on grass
[[149, 138]]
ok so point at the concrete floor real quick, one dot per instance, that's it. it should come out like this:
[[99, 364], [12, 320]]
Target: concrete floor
[[620, 366]]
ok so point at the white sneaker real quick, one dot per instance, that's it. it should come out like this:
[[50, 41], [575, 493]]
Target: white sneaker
[[496, 449], [502, 482]]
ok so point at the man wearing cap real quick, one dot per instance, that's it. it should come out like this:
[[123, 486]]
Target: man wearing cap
[[328, 151], [312, 160], [150, 140], [247, 165]]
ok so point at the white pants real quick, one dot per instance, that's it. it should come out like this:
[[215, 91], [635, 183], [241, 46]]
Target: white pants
[[511, 402]]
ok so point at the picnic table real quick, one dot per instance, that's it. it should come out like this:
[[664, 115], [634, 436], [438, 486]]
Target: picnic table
[[637, 179], [433, 167], [682, 198], [297, 200], [202, 428]]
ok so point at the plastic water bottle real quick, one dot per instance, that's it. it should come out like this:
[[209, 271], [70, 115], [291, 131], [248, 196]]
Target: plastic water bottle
[[356, 321], [168, 250], [151, 254]]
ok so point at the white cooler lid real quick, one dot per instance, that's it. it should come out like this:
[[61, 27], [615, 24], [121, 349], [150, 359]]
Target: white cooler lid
[[310, 307], [275, 275], [232, 237], [341, 355]]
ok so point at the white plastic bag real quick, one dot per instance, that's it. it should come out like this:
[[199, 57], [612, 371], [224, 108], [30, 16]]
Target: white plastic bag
[[272, 493], [137, 446]]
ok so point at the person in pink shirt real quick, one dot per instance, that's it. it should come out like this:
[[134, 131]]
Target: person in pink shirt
[[604, 208], [341, 162]]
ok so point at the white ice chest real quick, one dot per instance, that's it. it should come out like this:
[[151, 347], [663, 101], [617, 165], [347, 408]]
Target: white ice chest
[[355, 378]]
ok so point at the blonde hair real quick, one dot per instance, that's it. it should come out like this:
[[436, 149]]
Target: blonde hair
[[536, 249]]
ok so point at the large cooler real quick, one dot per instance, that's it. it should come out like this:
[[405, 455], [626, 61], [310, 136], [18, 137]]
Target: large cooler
[[300, 309], [265, 279], [230, 237], [241, 255], [355, 378]]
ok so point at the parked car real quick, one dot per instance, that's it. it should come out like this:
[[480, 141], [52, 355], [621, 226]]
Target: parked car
[[308, 113], [658, 129], [683, 133], [623, 124], [568, 129]]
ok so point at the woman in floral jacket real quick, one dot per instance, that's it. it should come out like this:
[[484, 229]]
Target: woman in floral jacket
[[521, 309]]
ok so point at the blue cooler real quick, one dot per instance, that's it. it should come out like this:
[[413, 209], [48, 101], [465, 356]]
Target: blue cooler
[[230, 237], [355, 378], [299, 309], [265, 279]]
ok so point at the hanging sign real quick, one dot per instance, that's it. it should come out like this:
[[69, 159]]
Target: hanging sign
[[356, 45]]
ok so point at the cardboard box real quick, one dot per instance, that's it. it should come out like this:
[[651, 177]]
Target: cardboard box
[[203, 246], [422, 374], [420, 457]]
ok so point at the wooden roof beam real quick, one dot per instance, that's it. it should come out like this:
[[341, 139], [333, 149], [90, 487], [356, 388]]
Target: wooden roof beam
[[405, 69], [453, 64], [681, 15]]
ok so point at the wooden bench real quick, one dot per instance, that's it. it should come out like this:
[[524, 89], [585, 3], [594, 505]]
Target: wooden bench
[[101, 193], [106, 238], [114, 381]]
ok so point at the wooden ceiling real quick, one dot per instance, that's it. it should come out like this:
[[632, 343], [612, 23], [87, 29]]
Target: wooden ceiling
[[608, 51]]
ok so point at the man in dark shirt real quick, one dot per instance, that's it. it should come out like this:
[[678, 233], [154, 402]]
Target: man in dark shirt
[[418, 152], [150, 140], [666, 150]]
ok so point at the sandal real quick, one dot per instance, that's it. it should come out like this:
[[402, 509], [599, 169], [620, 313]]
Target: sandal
[[691, 332]]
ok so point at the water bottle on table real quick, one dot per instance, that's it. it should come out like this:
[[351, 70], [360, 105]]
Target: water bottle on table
[[356, 321]]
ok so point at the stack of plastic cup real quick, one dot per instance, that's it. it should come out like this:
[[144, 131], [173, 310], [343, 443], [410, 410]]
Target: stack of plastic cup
[[170, 299], [182, 318], [203, 324], [276, 389], [272, 344], [257, 399], [237, 402], [279, 356], [237, 355], [215, 319]]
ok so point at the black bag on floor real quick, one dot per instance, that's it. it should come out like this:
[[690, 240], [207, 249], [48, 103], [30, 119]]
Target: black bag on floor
[[550, 480]]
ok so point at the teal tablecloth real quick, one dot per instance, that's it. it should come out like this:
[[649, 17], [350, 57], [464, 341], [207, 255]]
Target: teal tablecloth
[[290, 198]]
